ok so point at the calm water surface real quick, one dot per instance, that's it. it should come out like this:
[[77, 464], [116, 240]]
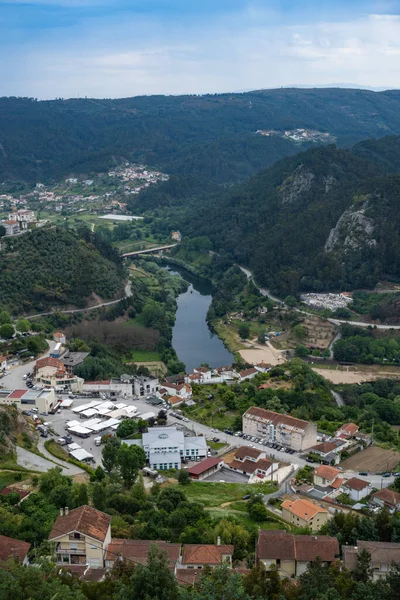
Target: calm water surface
[[192, 339]]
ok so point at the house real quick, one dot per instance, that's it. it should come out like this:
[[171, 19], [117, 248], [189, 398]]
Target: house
[[303, 513], [383, 555], [175, 401], [23, 217], [356, 488], [253, 462], [324, 475], [347, 430], [329, 451], [387, 498], [144, 386], [3, 363], [137, 551], [51, 372], [197, 556], [204, 372], [176, 236], [11, 226], [71, 360], [283, 429], [11, 548], [263, 367], [291, 554], [59, 337], [205, 468], [248, 374], [6, 491], [81, 536], [177, 389]]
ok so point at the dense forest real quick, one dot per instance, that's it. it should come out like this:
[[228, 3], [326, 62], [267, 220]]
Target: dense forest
[[326, 218], [212, 136], [52, 267]]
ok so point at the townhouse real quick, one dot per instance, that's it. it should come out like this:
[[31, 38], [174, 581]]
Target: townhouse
[[383, 556], [324, 475], [283, 429], [388, 498], [291, 554], [356, 488], [253, 462]]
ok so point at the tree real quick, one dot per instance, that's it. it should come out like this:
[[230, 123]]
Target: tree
[[183, 477], [126, 428], [5, 317], [130, 459], [99, 495], [138, 490], [2, 231], [153, 581], [261, 337], [23, 325], [301, 351], [244, 330], [300, 332], [290, 301], [363, 570], [109, 454], [6, 331]]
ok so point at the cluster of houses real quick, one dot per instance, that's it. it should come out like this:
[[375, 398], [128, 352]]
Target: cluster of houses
[[206, 375], [82, 544], [19, 221], [330, 482], [347, 437]]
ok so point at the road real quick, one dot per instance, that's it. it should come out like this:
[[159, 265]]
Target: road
[[32, 461], [14, 379], [148, 250], [362, 324], [263, 291], [128, 293]]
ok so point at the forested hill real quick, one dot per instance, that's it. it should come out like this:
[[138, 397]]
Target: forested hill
[[323, 219], [52, 267], [212, 136]]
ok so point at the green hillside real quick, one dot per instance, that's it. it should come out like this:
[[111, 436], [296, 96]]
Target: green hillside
[[212, 136], [53, 267]]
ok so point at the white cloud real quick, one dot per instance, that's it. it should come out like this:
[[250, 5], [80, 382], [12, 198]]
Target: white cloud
[[247, 51]]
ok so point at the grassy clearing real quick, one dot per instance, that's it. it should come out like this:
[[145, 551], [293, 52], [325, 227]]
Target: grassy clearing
[[7, 477], [144, 356], [213, 494], [213, 414], [216, 445], [56, 450], [229, 336]]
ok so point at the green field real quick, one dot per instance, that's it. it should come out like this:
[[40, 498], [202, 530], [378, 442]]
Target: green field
[[214, 494], [215, 445], [6, 478], [145, 356]]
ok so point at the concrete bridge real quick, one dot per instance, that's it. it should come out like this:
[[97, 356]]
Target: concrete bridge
[[148, 250]]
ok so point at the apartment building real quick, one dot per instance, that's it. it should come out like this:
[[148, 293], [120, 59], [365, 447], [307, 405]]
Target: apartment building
[[282, 429]]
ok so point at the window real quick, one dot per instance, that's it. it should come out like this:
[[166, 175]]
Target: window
[[77, 535], [92, 547], [74, 546]]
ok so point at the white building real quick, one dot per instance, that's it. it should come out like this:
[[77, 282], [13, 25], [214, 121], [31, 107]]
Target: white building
[[143, 386], [11, 226], [167, 447], [356, 488], [43, 400]]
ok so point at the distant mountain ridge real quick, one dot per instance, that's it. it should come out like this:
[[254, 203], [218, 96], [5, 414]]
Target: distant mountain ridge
[[211, 136]]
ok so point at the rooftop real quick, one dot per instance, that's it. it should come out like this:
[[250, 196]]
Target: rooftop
[[138, 550], [245, 451], [86, 520], [204, 466], [356, 484], [274, 544], [302, 508], [276, 418], [326, 447], [381, 552], [72, 359], [326, 472], [389, 496], [205, 554], [9, 547]]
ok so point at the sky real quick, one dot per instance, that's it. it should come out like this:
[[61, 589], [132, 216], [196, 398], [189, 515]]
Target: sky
[[119, 48]]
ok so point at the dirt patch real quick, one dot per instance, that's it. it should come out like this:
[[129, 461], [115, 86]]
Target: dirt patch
[[276, 385], [373, 460], [156, 368], [81, 478], [338, 376], [229, 457], [259, 353]]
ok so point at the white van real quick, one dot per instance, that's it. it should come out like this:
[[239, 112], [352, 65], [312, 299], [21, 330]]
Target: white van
[[97, 441]]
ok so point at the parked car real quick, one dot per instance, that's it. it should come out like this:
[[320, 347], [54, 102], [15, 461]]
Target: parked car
[[246, 497], [386, 475], [363, 473]]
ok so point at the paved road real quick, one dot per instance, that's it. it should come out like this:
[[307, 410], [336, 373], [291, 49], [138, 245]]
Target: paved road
[[361, 324], [37, 463], [128, 293], [14, 379]]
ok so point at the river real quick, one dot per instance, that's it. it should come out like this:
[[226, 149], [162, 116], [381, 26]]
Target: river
[[192, 339]]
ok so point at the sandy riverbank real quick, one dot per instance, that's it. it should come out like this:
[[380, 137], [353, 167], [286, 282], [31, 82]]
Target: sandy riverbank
[[257, 353]]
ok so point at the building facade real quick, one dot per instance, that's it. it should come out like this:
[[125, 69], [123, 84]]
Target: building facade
[[282, 429], [303, 513]]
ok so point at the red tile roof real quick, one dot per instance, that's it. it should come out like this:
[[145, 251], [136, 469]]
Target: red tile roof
[[17, 394], [244, 451], [356, 484], [86, 520], [204, 466], [138, 550], [388, 496], [101, 382], [205, 554], [49, 361], [175, 399], [8, 490], [86, 572], [302, 508], [326, 472], [248, 372], [247, 466], [9, 547], [349, 428], [326, 447], [286, 546], [276, 418]]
